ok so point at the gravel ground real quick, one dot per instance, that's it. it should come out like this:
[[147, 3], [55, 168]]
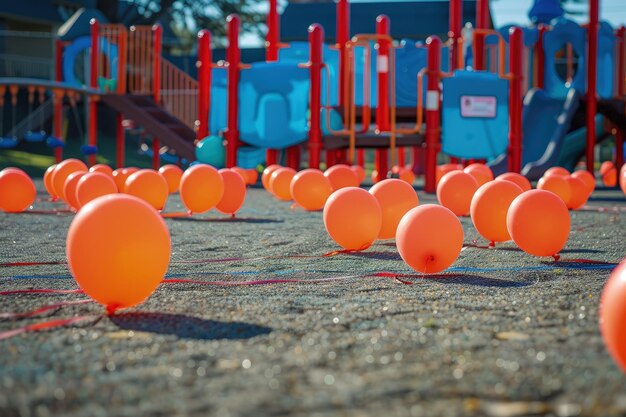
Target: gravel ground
[[499, 334]]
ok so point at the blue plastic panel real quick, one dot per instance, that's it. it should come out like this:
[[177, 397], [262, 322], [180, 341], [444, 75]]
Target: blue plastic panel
[[273, 104], [564, 31], [475, 119], [219, 101]]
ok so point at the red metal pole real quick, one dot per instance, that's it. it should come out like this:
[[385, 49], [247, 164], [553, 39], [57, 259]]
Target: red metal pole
[[540, 58], [316, 40], [157, 34], [482, 17], [516, 48], [93, 83], [433, 117], [233, 57], [592, 67], [57, 119], [120, 139], [454, 32], [621, 55], [204, 83], [382, 107], [120, 153], [342, 36], [271, 55]]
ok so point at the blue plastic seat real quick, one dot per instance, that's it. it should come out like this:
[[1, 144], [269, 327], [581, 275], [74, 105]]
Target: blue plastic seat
[[35, 136], [54, 143], [89, 150], [8, 143], [273, 105]]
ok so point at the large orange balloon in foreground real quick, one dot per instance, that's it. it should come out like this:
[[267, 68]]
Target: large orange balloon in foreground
[[481, 172], [280, 182], [429, 238], [538, 221], [613, 315], [455, 191], [516, 178], [352, 217], [267, 173], [587, 178], [556, 184], [69, 189], [341, 176], [93, 185], [103, 168], [578, 193], [489, 207], [172, 174], [62, 171], [201, 188], [395, 197], [118, 250], [17, 191], [608, 173], [47, 181], [310, 189], [148, 185], [234, 192]]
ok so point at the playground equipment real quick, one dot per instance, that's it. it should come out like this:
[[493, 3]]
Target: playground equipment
[[365, 91]]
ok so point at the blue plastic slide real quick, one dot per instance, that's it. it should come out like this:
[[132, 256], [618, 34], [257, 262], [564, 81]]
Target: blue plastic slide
[[545, 124], [574, 145]]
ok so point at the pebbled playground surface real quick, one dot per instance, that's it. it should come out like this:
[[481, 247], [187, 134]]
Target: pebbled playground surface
[[501, 333]]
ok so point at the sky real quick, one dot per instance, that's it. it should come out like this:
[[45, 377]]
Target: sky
[[504, 12]]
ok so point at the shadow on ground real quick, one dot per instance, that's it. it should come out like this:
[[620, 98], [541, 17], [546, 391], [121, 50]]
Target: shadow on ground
[[187, 326]]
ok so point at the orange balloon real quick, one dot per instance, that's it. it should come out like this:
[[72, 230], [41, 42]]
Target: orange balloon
[[234, 192], [516, 178], [578, 193], [280, 181], [103, 168], [489, 207], [341, 176], [407, 175], [47, 181], [587, 178], [118, 250], [148, 185], [455, 191], [17, 190], [538, 222], [120, 176], [267, 173], [481, 172], [93, 185], [172, 174], [429, 238], [395, 197], [558, 171], [374, 176], [359, 171], [613, 315], [201, 188], [310, 189], [62, 171], [242, 173], [353, 218], [69, 189], [556, 184], [442, 170], [253, 176], [609, 174], [622, 178]]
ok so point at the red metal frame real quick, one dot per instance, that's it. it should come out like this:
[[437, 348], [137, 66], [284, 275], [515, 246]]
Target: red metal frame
[[315, 64], [454, 33], [57, 120], [621, 75], [540, 58], [272, 38], [433, 116], [157, 39], [592, 69], [516, 47], [482, 17], [204, 83], [382, 107], [93, 83], [233, 57]]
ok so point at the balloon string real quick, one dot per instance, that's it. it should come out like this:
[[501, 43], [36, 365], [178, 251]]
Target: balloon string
[[176, 214], [12, 264], [41, 291], [580, 261], [54, 211], [44, 309], [46, 325], [601, 209], [345, 251]]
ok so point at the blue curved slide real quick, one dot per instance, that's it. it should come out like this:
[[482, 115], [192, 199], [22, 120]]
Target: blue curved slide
[[545, 123]]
